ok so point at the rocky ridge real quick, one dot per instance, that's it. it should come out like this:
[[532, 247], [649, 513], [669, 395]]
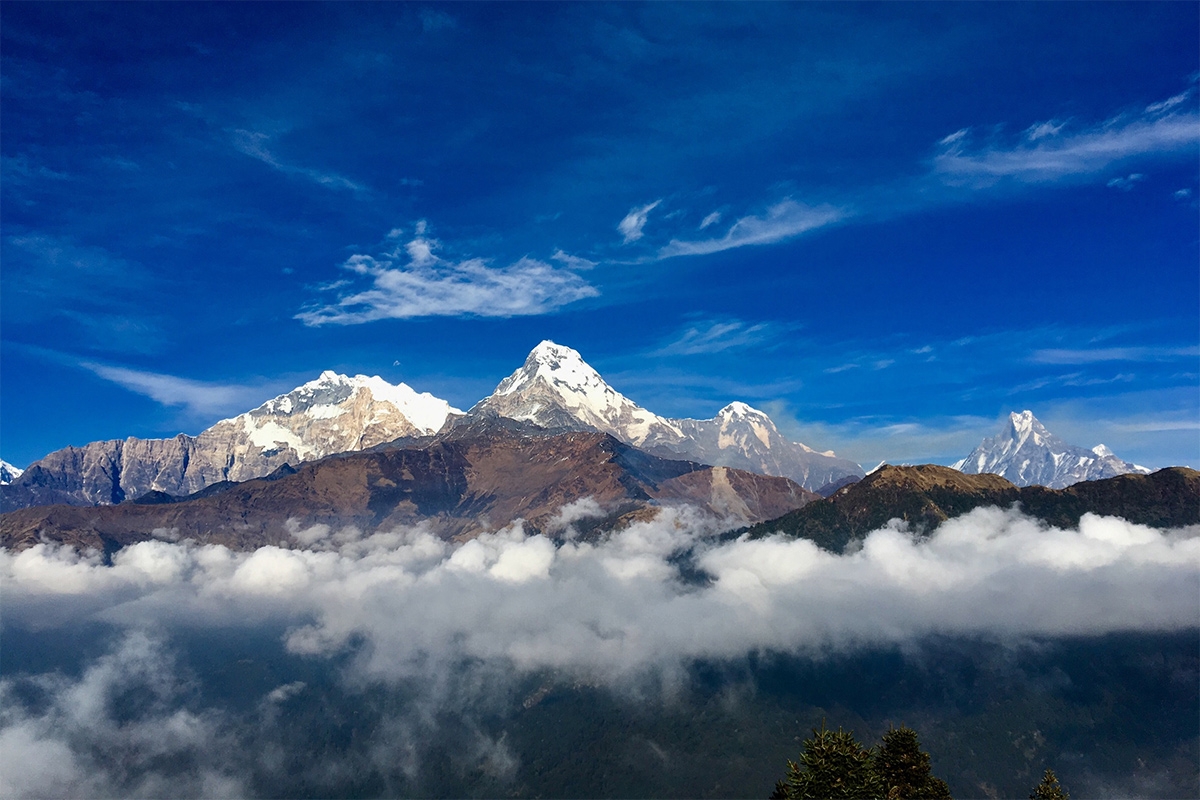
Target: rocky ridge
[[926, 496], [456, 486]]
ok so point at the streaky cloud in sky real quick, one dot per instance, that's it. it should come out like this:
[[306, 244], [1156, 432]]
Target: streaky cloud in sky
[[784, 220], [197, 397], [717, 336], [254, 144], [1052, 151]]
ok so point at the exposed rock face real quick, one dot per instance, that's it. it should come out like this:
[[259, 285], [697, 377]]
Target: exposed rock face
[[332, 414], [556, 389], [457, 485], [926, 496], [1027, 454]]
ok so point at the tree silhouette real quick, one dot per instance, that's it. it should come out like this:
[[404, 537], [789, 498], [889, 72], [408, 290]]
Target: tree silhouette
[[834, 765], [1049, 789], [904, 768]]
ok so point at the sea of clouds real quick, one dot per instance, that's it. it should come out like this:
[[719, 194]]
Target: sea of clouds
[[635, 608]]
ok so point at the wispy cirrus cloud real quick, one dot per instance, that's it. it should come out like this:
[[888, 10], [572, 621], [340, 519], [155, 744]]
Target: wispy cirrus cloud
[[781, 221], [716, 336], [196, 397], [1057, 150], [255, 145], [427, 285], [631, 226], [1101, 354]]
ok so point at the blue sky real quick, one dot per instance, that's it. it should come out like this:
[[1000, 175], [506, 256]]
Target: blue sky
[[888, 224]]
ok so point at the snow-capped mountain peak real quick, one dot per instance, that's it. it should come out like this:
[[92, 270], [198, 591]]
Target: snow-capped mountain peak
[[556, 388], [8, 473], [326, 397], [335, 413], [1026, 453], [738, 409]]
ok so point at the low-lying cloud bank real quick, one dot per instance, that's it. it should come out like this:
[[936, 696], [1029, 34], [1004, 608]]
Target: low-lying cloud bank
[[653, 596], [445, 634]]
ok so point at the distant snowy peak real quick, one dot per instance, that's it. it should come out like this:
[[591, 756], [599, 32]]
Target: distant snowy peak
[[1026, 453], [8, 473], [556, 388], [338, 413]]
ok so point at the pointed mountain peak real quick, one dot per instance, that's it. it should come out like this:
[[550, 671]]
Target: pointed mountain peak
[[740, 409], [1023, 421], [1026, 453], [548, 351], [560, 364]]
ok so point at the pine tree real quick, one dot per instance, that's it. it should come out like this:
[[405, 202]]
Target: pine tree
[[833, 765], [904, 768], [1049, 789]]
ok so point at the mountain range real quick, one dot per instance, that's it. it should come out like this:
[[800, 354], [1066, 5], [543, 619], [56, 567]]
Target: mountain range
[[554, 390], [471, 479]]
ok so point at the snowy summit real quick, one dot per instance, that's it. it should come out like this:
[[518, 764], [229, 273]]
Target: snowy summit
[[1026, 453]]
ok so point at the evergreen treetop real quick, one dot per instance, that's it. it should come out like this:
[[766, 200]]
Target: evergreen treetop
[[1049, 788]]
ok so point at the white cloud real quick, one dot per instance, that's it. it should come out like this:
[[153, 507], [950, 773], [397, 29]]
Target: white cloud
[[616, 608], [711, 219], [572, 262], [456, 626], [197, 397], [74, 745], [715, 336], [254, 144], [1169, 103], [1127, 182], [781, 221], [1052, 151], [631, 226], [1082, 356], [1038, 131], [431, 286]]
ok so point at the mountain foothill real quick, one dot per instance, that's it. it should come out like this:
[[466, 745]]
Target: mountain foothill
[[555, 447]]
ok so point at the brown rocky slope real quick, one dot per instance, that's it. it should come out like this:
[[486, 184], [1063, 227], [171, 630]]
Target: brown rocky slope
[[460, 485], [927, 495]]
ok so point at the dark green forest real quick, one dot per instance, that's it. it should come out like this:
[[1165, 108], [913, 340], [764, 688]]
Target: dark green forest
[[1112, 716]]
